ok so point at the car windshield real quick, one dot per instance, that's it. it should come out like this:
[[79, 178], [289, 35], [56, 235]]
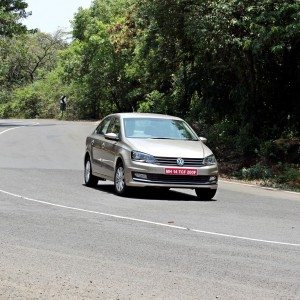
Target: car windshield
[[155, 128]]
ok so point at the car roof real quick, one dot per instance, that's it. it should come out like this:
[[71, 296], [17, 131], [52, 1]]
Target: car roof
[[144, 115]]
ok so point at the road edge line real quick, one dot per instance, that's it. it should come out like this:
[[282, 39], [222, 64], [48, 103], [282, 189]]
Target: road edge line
[[149, 222], [4, 131]]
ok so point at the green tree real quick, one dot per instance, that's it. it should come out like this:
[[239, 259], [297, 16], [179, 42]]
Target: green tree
[[96, 60], [234, 62], [24, 58], [166, 51], [11, 12]]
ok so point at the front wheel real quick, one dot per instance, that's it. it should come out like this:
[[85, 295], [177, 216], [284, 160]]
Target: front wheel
[[89, 179], [205, 194], [119, 182]]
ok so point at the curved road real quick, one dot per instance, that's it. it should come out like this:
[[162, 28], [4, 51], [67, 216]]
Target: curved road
[[62, 240]]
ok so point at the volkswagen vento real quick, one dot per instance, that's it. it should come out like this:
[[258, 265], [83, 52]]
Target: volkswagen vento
[[149, 150]]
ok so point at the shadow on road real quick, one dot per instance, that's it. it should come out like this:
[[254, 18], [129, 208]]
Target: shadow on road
[[152, 194], [12, 125], [26, 125]]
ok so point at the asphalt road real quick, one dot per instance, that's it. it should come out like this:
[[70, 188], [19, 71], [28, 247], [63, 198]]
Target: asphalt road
[[62, 240]]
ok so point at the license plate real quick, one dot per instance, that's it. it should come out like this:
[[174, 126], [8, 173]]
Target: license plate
[[185, 172]]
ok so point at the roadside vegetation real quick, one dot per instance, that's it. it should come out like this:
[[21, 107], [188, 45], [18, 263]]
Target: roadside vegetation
[[229, 67]]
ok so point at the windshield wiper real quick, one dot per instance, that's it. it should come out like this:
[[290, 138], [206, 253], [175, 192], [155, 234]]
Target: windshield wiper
[[161, 138]]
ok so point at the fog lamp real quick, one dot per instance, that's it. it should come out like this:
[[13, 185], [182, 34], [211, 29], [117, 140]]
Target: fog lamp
[[213, 178], [140, 175]]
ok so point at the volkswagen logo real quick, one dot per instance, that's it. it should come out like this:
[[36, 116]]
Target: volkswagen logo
[[180, 162]]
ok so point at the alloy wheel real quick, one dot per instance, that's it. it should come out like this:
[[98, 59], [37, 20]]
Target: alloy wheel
[[120, 180], [87, 173]]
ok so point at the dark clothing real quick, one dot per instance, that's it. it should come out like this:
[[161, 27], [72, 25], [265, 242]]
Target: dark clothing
[[63, 103]]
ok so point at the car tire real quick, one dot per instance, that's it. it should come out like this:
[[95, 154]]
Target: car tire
[[89, 179], [205, 194], [119, 180]]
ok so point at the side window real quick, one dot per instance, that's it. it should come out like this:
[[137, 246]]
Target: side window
[[103, 126], [114, 126], [117, 128]]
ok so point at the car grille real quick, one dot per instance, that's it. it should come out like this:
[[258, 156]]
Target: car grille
[[162, 178], [172, 161]]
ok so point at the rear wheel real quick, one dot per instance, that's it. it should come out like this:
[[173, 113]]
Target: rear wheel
[[119, 182], [89, 179], [205, 194]]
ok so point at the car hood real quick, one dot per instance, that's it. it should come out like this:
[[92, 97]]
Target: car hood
[[170, 148]]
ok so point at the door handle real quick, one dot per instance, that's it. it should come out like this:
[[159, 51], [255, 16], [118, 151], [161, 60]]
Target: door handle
[[102, 144]]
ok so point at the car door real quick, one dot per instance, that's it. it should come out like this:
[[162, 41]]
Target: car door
[[97, 145], [111, 149]]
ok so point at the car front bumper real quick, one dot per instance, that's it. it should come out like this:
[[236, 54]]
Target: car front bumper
[[145, 175]]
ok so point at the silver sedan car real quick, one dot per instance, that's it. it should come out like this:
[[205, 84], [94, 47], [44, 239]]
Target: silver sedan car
[[149, 150]]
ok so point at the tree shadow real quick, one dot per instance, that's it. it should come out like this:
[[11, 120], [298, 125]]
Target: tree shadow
[[12, 125], [27, 125], [151, 194]]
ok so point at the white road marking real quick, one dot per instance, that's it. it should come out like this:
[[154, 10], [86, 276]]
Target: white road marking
[[34, 124], [151, 222], [10, 129], [148, 222]]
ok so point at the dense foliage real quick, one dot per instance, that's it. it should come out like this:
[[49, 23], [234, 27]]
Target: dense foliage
[[11, 11], [223, 64], [231, 67], [27, 62]]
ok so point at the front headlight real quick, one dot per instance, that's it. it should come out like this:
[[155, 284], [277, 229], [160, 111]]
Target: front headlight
[[209, 160], [142, 157]]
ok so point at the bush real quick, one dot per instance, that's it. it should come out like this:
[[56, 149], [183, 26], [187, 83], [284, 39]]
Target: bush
[[257, 171], [39, 99], [280, 175], [289, 175], [5, 111], [26, 103], [281, 150], [5, 107]]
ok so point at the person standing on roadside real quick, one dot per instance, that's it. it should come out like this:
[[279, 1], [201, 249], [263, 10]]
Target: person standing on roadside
[[63, 104]]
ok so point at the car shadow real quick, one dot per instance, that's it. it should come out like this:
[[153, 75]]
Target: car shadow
[[151, 194]]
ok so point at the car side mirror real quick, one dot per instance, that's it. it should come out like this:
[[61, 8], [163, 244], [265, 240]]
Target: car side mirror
[[203, 139], [112, 136]]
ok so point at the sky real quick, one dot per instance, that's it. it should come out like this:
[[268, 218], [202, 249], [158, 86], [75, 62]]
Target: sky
[[51, 15]]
